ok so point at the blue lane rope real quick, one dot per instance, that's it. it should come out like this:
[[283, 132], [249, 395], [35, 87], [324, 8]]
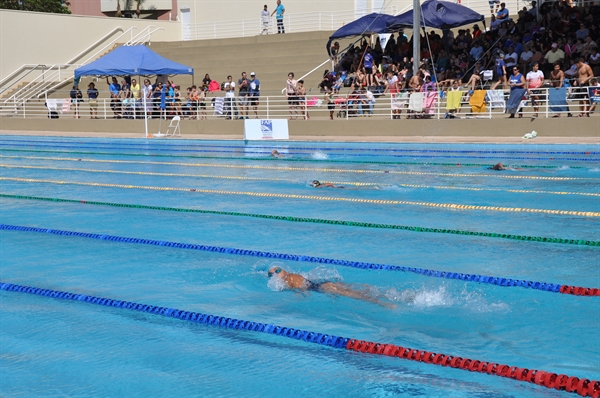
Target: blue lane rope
[[300, 153], [499, 281], [327, 148], [214, 320]]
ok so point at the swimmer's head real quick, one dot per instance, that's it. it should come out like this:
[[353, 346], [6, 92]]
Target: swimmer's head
[[316, 183], [498, 166], [276, 270]]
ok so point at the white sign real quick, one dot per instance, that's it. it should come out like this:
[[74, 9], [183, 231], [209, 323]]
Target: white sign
[[266, 129], [383, 39]]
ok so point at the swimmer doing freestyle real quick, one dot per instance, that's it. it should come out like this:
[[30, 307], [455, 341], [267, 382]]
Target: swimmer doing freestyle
[[318, 184], [300, 283]]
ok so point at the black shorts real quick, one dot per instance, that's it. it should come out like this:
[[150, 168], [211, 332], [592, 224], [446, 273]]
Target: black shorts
[[115, 103], [292, 100], [253, 101], [331, 106], [202, 105], [369, 70]]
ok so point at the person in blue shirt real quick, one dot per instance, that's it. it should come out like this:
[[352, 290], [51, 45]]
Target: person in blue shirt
[[254, 93], [502, 13], [500, 72], [115, 92], [279, 11], [368, 62]]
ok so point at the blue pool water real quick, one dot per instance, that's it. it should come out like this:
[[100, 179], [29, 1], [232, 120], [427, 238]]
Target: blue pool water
[[56, 347]]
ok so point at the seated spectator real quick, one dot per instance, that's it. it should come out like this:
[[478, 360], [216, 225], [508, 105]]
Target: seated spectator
[[476, 51], [328, 80], [206, 81], [555, 55], [525, 58], [502, 13], [511, 58], [495, 23], [594, 61]]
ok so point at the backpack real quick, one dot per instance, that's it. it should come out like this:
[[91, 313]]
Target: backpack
[[348, 81]]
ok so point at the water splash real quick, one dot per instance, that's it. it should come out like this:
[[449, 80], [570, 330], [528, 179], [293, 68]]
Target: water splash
[[594, 170], [318, 155], [565, 167]]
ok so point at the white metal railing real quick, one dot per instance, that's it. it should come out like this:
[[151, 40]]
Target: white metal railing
[[293, 22], [277, 106], [143, 37]]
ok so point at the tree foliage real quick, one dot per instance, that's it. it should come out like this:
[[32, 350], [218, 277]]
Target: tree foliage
[[54, 6]]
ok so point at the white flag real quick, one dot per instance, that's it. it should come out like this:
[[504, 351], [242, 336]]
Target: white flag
[[383, 39]]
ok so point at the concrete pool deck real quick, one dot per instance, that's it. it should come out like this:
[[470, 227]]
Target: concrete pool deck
[[502, 131]]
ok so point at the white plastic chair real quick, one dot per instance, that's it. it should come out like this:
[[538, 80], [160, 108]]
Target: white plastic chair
[[175, 126]]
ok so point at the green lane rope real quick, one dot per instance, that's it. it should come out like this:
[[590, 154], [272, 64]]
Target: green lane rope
[[310, 169], [289, 159], [313, 197], [319, 221], [242, 178]]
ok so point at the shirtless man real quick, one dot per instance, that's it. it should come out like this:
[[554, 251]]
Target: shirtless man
[[415, 83], [584, 74], [557, 76], [300, 283]]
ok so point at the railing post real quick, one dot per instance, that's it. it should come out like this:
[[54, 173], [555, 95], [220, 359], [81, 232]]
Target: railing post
[[320, 20], [243, 29], [214, 30], [267, 107], [548, 103]]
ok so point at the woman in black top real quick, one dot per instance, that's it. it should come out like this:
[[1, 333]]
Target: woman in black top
[[92, 96]]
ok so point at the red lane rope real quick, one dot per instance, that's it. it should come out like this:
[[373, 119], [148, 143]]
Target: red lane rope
[[579, 291], [583, 387]]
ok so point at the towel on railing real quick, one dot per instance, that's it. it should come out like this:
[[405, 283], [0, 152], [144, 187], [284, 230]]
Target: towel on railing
[[415, 102], [454, 99], [495, 99], [557, 100], [52, 104], [429, 100], [66, 105], [219, 102], [477, 101], [514, 101], [400, 100]]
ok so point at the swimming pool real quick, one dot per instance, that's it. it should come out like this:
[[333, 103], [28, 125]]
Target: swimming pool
[[437, 193]]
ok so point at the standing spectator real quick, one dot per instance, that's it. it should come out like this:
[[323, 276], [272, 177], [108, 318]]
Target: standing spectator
[[368, 63], [584, 74], [535, 79], [201, 100], [230, 107], [557, 76], [136, 95], [254, 93], [502, 14], [279, 11], [243, 86], [500, 72], [115, 103], [301, 98], [92, 97], [76, 98], [290, 92], [265, 19], [368, 99], [517, 90], [147, 95], [330, 102]]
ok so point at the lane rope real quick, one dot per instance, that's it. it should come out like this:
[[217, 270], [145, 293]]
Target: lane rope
[[233, 166], [527, 238], [581, 386], [499, 281], [260, 152], [312, 197], [433, 150], [353, 183], [284, 159]]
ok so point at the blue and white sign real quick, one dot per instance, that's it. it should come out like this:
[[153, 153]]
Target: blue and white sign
[[266, 129]]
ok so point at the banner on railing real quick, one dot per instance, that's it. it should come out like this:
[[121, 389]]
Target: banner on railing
[[594, 93], [266, 129]]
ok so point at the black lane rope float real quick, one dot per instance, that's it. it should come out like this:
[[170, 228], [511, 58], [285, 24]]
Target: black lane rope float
[[189, 144], [581, 386], [284, 159], [526, 238], [354, 183], [304, 153], [309, 169], [311, 197], [499, 281]]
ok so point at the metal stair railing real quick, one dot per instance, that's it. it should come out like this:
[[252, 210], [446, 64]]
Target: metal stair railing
[[143, 37]]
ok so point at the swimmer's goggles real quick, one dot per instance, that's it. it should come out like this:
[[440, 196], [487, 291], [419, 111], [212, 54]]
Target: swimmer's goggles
[[316, 183], [277, 270]]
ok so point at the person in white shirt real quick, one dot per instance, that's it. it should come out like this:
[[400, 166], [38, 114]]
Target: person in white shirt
[[368, 99], [535, 79], [525, 58], [230, 106], [265, 19], [511, 58]]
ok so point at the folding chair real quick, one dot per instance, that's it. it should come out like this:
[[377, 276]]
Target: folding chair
[[175, 126], [486, 78]]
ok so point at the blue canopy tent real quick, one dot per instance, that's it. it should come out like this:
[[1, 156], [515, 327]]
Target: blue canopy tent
[[367, 25], [133, 60], [438, 15]]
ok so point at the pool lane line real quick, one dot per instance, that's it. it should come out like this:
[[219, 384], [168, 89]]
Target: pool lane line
[[312, 197], [268, 153], [288, 159], [499, 281], [581, 386], [526, 238], [285, 147], [279, 168], [353, 183]]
